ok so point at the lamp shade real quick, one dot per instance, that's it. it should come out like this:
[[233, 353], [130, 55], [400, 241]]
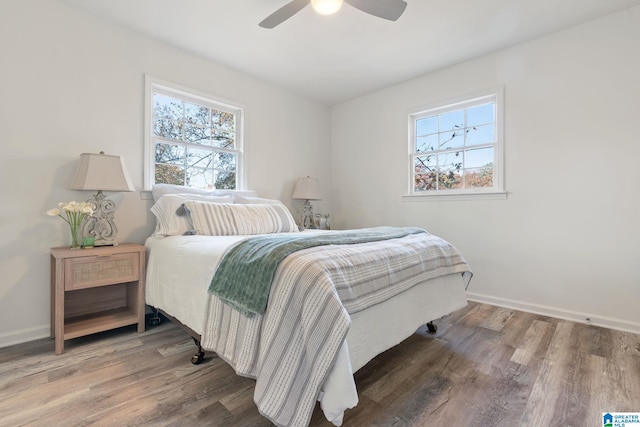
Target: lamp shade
[[307, 188], [101, 172]]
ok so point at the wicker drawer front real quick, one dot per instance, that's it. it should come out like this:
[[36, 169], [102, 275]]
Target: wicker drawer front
[[92, 271]]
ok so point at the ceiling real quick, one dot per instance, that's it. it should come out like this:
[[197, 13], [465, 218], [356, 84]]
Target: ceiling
[[335, 58]]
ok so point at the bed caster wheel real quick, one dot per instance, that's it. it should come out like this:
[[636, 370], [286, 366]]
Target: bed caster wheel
[[432, 328], [197, 359], [154, 321]]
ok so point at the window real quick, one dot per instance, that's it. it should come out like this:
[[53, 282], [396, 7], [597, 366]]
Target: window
[[456, 148], [191, 139]]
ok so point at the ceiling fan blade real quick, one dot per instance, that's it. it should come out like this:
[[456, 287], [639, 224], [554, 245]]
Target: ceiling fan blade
[[284, 13], [387, 9]]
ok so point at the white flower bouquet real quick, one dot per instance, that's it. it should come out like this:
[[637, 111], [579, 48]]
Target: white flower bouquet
[[73, 213]]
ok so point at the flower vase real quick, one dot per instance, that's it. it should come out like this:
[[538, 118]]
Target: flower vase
[[76, 239]]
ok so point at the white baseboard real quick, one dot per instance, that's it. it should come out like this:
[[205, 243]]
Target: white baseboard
[[24, 335], [559, 313]]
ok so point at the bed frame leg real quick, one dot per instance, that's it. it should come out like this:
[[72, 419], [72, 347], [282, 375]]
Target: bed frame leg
[[432, 327], [155, 319], [197, 358]]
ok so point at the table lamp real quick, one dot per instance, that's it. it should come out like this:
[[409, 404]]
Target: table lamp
[[306, 189], [101, 172]]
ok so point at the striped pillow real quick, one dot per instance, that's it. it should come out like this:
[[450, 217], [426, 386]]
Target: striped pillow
[[224, 219], [168, 222]]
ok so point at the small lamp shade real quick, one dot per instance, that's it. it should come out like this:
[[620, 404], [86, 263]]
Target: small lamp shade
[[307, 188], [101, 172]]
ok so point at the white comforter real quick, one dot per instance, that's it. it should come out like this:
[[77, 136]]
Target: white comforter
[[180, 269]]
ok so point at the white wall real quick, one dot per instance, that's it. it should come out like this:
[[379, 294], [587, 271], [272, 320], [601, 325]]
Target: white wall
[[71, 83], [565, 242]]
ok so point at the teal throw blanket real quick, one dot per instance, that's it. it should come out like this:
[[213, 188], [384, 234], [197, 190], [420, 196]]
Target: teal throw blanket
[[243, 277]]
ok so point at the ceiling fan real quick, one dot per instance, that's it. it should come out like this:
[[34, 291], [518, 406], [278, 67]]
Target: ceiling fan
[[387, 9]]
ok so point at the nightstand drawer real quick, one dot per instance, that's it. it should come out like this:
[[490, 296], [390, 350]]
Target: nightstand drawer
[[87, 272]]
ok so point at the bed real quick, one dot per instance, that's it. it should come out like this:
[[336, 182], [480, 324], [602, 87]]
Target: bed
[[312, 336]]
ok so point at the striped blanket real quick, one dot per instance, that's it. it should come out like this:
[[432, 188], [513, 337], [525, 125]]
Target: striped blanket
[[290, 348], [244, 276]]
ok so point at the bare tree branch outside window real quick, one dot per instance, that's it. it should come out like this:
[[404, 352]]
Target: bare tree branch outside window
[[454, 149], [195, 145]]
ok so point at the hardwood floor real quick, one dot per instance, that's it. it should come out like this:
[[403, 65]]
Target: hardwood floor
[[486, 366]]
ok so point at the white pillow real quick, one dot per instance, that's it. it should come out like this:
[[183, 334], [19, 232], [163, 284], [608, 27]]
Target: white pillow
[[255, 200], [169, 222], [234, 193], [222, 219], [159, 190]]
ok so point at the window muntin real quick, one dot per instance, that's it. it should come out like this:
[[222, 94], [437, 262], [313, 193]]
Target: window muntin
[[192, 140], [457, 148]]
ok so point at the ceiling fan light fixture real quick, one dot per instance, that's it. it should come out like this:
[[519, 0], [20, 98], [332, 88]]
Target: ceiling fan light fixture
[[386, 9], [326, 7]]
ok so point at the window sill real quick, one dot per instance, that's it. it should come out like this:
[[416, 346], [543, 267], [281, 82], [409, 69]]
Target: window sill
[[495, 195]]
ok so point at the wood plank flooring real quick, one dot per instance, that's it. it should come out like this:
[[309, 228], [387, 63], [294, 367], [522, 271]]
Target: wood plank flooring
[[486, 366]]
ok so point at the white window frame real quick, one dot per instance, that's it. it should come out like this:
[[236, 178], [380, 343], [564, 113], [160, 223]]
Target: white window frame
[[497, 191], [155, 85]]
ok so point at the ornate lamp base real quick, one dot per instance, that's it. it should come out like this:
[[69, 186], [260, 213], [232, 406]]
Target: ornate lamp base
[[100, 225], [307, 215]]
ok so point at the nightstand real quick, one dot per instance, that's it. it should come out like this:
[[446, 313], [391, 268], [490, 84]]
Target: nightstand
[[97, 289]]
